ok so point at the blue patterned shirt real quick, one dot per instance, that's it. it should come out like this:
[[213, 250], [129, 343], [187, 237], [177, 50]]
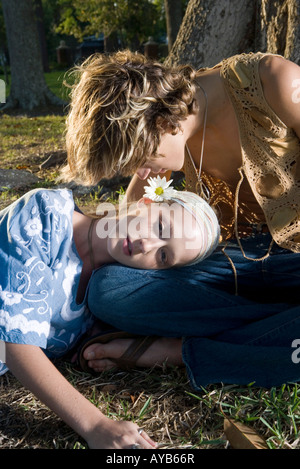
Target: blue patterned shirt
[[39, 273]]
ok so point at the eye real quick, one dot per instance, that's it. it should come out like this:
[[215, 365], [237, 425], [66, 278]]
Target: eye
[[163, 256], [162, 253], [160, 227]]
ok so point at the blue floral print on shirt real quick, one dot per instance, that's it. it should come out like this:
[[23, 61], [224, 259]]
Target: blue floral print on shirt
[[39, 273]]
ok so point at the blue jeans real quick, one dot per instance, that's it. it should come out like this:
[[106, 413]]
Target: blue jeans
[[227, 337]]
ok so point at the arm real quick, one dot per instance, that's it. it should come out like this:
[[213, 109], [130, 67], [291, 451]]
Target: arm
[[281, 84], [35, 371]]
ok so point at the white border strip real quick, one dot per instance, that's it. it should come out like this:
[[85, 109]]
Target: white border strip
[[2, 92], [2, 351]]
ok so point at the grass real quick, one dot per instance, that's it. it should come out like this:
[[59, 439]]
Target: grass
[[159, 400], [37, 134], [56, 80]]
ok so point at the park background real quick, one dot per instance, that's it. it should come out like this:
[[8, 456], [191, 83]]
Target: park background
[[40, 42]]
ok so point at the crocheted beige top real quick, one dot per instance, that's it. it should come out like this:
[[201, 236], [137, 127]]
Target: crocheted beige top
[[270, 155]]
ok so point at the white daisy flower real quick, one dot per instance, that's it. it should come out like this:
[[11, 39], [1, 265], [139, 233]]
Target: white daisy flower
[[33, 227], [158, 189]]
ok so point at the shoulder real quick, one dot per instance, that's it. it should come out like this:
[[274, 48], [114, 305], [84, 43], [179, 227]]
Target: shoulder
[[43, 196], [44, 209], [56, 201], [49, 195], [280, 80], [278, 74], [271, 63]]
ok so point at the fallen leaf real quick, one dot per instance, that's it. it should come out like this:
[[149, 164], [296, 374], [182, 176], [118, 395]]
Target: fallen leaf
[[22, 166], [241, 436]]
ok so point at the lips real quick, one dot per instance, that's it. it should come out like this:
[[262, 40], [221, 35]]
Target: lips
[[127, 247]]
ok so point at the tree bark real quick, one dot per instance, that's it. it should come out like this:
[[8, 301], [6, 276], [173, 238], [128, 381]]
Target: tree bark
[[173, 9], [278, 28], [28, 86], [39, 13], [213, 30]]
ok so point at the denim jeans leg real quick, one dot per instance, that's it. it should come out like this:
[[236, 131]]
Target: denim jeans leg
[[260, 352], [171, 303]]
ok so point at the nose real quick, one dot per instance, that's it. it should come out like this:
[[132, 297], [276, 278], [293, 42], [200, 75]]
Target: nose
[[143, 173], [145, 245]]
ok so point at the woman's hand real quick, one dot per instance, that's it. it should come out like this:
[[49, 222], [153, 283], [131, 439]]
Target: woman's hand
[[110, 434]]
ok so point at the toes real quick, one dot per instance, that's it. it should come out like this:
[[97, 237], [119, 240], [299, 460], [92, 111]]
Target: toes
[[113, 349], [94, 351], [101, 365]]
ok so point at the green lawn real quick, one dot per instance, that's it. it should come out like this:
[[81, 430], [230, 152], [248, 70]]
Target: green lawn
[[55, 81]]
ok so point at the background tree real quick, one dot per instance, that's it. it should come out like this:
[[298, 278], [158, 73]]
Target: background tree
[[3, 44], [173, 13], [132, 20], [212, 30], [39, 15], [28, 86], [278, 28]]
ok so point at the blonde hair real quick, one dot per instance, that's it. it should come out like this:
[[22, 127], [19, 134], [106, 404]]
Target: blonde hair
[[120, 106]]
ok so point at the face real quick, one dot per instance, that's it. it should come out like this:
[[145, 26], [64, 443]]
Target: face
[[155, 236], [171, 156]]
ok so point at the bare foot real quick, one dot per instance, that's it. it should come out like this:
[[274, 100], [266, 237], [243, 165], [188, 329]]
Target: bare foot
[[160, 351]]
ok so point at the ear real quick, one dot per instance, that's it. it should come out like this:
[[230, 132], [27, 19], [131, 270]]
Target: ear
[[145, 201], [165, 128]]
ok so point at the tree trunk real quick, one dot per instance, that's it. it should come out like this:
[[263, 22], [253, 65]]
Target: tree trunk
[[28, 86], [111, 42], [173, 9], [213, 30], [278, 28], [39, 13]]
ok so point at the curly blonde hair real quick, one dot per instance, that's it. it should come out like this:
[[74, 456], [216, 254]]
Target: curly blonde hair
[[120, 107]]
